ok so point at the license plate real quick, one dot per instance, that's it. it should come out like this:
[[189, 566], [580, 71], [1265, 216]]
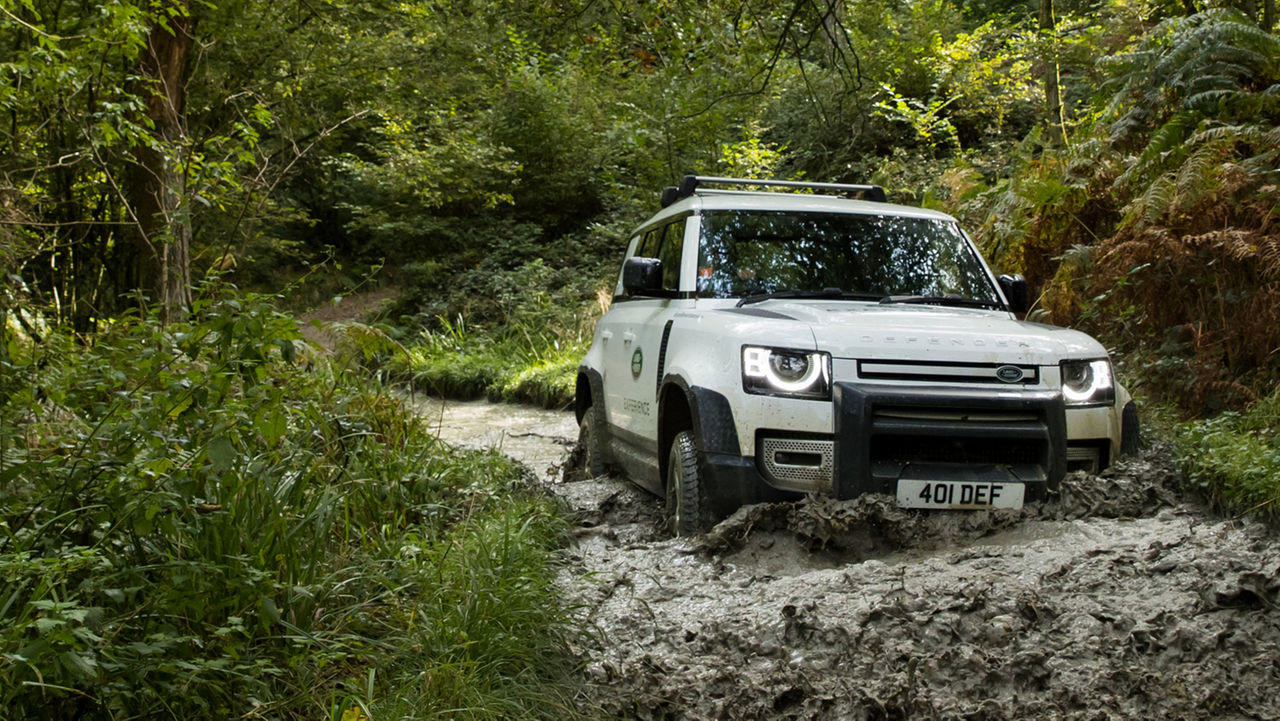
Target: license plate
[[972, 495]]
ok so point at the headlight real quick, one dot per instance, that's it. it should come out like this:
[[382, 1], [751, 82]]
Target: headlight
[[1088, 383], [783, 372]]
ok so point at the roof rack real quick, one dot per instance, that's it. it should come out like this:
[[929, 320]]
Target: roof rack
[[690, 183]]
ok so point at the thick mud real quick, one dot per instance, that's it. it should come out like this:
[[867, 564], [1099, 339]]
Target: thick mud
[[1116, 599]]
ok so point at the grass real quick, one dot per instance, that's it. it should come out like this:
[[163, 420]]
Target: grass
[[532, 359], [499, 370], [1234, 459], [513, 335], [200, 521]]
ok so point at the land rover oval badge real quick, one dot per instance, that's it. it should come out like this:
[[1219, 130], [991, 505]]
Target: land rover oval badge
[[637, 362], [1008, 374]]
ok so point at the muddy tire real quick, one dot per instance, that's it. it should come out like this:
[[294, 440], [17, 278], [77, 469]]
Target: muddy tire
[[686, 499], [590, 459]]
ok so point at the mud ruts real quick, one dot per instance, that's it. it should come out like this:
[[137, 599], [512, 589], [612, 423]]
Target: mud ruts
[[1114, 600], [1111, 602]]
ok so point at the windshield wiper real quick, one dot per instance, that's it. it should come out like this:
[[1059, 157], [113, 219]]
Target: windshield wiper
[[940, 300], [832, 293]]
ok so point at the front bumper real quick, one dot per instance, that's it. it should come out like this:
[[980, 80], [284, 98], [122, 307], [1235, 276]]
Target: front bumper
[[886, 433]]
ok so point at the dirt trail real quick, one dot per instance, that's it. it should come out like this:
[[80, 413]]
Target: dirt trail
[[347, 308], [1115, 601]]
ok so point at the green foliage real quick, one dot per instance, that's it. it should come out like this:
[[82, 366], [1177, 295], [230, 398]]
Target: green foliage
[[507, 334], [1235, 458], [474, 366], [1168, 188], [194, 524]]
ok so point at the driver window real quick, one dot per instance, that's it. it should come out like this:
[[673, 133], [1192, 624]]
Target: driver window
[[672, 243], [648, 247]]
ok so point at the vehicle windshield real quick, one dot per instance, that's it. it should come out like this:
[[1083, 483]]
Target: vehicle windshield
[[748, 253]]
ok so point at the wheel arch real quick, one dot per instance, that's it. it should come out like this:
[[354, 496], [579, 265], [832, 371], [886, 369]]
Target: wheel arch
[[705, 412], [675, 414], [588, 391]]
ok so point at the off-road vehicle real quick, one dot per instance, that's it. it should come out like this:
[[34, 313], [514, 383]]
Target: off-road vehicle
[[797, 338]]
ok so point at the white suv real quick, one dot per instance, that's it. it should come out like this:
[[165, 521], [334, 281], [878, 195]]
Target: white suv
[[767, 344]]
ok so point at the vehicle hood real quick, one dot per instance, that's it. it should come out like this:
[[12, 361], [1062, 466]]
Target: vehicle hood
[[924, 332]]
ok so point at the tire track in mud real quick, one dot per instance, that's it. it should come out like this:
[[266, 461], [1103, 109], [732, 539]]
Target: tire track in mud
[[1114, 600]]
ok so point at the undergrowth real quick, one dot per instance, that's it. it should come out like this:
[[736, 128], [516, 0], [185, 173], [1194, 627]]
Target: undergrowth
[[200, 520], [521, 340], [1234, 459], [498, 369], [1156, 228]]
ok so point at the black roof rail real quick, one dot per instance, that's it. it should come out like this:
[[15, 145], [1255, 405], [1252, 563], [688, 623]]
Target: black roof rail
[[690, 183]]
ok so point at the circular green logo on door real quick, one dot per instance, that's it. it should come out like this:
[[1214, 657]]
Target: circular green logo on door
[[637, 362]]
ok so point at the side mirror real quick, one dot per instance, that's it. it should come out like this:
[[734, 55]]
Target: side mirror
[[641, 276], [1015, 291]]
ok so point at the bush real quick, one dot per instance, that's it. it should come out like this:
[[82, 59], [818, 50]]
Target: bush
[[193, 523], [514, 335], [1235, 458]]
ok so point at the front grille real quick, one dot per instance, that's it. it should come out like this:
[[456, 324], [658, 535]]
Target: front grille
[[955, 415], [798, 464], [944, 372], [918, 449]]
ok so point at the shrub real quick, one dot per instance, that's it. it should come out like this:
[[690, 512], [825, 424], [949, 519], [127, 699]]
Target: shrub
[[195, 523], [1235, 458]]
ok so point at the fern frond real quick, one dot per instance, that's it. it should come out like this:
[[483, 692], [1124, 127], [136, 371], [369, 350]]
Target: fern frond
[[1237, 245], [1200, 173], [1228, 133], [1168, 138], [1078, 258], [1150, 206], [368, 340], [1269, 257], [1202, 63], [1209, 101]]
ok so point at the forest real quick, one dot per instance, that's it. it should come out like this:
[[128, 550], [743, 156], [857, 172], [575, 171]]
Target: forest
[[203, 515]]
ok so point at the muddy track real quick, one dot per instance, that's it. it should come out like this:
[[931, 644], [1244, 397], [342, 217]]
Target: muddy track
[[1114, 600]]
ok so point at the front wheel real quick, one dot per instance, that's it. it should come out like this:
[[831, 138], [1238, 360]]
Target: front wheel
[[686, 500], [589, 442]]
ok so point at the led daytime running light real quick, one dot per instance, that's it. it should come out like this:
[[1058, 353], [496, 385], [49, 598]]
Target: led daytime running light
[[755, 364], [1099, 382]]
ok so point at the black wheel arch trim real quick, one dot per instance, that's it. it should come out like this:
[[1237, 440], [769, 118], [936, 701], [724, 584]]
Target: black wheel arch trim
[[1130, 430], [592, 401], [709, 416], [590, 380]]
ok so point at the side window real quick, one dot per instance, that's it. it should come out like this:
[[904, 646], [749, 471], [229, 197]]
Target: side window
[[649, 244], [672, 243]]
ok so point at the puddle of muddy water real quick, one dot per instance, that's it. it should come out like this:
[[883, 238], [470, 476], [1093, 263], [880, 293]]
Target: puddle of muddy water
[[1116, 600], [538, 438]]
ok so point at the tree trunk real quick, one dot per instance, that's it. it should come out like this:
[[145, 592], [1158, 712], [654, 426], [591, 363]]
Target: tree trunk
[[1052, 96], [1269, 15], [1250, 8], [162, 241]]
